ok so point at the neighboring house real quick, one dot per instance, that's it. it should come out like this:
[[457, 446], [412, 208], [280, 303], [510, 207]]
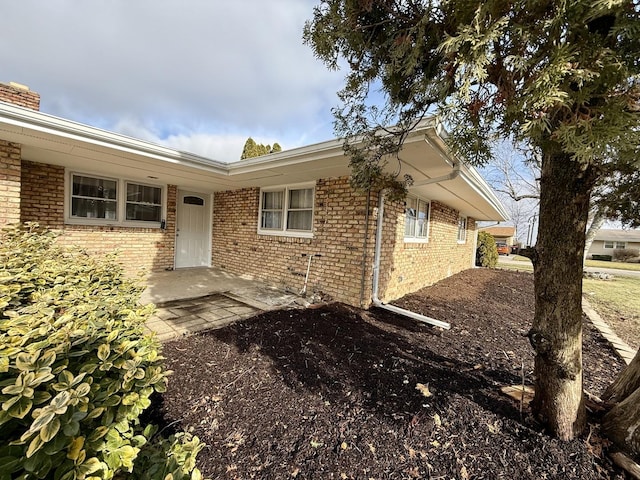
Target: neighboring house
[[501, 234], [608, 241], [162, 208]]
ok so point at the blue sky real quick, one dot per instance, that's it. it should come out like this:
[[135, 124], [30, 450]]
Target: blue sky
[[197, 75]]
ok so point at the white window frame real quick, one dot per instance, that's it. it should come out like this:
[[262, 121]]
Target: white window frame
[[621, 245], [606, 244], [284, 231], [414, 238], [121, 202], [462, 232]]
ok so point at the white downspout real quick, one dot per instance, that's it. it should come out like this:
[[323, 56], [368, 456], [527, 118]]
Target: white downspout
[[376, 277]]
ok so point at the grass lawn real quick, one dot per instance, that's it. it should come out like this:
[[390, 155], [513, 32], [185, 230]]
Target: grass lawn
[[619, 265], [618, 302], [589, 263]]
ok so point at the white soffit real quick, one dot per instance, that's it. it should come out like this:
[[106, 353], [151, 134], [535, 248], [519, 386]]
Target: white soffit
[[48, 139]]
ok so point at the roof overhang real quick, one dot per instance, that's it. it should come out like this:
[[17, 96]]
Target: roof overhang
[[52, 140]]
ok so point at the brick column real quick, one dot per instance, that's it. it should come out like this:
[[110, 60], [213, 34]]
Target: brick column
[[10, 169]]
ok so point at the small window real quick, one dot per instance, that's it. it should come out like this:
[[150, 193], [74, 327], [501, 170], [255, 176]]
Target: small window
[[286, 211], [144, 203], [462, 229], [416, 224], [272, 210], [94, 197], [191, 200], [300, 211], [608, 244]]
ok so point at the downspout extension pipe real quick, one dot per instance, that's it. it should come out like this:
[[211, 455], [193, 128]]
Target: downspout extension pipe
[[376, 277]]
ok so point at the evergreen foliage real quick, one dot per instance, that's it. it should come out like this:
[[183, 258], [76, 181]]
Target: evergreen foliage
[[562, 78], [487, 254], [252, 149], [77, 369]]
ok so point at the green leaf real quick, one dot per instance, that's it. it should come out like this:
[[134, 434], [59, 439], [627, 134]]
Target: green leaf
[[89, 466], [4, 364], [75, 448], [104, 351], [50, 429], [43, 419], [20, 408], [27, 362], [34, 446], [71, 428], [9, 465]]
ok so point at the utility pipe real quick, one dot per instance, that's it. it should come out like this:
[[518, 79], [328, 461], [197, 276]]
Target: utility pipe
[[376, 276], [444, 178]]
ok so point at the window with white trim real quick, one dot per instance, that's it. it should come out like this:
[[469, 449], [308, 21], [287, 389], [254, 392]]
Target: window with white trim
[[462, 229], [286, 211], [617, 245], [416, 220], [94, 199]]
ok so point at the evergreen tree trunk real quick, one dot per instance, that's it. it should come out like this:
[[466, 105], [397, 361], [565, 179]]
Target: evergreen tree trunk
[[627, 381], [622, 423], [556, 334]]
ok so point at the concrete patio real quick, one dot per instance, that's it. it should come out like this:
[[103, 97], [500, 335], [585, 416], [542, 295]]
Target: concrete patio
[[195, 299]]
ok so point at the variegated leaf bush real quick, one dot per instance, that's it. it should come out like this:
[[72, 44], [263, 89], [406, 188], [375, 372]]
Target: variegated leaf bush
[[77, 369]]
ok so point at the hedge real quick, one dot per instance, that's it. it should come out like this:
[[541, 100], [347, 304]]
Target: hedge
[[77, 369]]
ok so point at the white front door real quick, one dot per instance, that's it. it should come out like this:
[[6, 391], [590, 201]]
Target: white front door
[[193, 230]]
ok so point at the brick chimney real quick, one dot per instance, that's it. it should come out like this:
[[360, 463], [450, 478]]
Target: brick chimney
[[20, 95], [11, 154]]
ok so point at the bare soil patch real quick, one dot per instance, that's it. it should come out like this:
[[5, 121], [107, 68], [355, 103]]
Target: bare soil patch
[[337, 392]]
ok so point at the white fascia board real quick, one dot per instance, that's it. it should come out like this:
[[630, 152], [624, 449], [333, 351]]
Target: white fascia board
[[471, 176], [32, 122]]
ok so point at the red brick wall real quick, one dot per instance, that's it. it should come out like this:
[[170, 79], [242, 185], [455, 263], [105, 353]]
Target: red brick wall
[[139, 248], [19, 95], [10, 172]]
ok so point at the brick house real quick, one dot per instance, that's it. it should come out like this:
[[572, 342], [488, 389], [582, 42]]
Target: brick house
[[161, 208], [501, 234]]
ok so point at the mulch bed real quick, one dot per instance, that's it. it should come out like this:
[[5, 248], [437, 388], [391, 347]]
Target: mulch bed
[[337, 392]]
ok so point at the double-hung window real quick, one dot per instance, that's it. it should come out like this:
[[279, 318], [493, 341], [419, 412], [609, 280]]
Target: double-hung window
[[94, 199], [462, 229], [144, 203], [616, 245], [286, 211], [416, 222]]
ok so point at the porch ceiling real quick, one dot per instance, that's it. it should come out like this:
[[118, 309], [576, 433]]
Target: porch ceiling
[[53, 140]]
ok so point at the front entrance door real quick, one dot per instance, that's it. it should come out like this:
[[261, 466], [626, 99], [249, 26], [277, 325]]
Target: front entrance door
[[193, 230]]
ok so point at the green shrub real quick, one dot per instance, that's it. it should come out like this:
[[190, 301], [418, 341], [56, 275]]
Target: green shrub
[[625, 254], [487, 252], [76, 369]]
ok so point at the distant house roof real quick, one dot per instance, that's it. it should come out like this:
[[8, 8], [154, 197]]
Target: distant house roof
[[500, 231], [619, 235]]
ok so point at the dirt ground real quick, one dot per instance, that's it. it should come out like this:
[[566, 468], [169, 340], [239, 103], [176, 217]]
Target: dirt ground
[[339, 393]]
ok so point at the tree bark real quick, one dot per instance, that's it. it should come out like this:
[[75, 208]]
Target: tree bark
[[556, 333], [622, 423], [627, 381]]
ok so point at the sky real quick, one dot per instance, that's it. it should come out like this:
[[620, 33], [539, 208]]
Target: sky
[[197, 75]]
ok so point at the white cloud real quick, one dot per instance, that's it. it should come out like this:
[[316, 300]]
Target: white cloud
[[191, 73]]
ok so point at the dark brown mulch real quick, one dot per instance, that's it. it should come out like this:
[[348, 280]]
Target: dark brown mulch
[[331, 392]]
